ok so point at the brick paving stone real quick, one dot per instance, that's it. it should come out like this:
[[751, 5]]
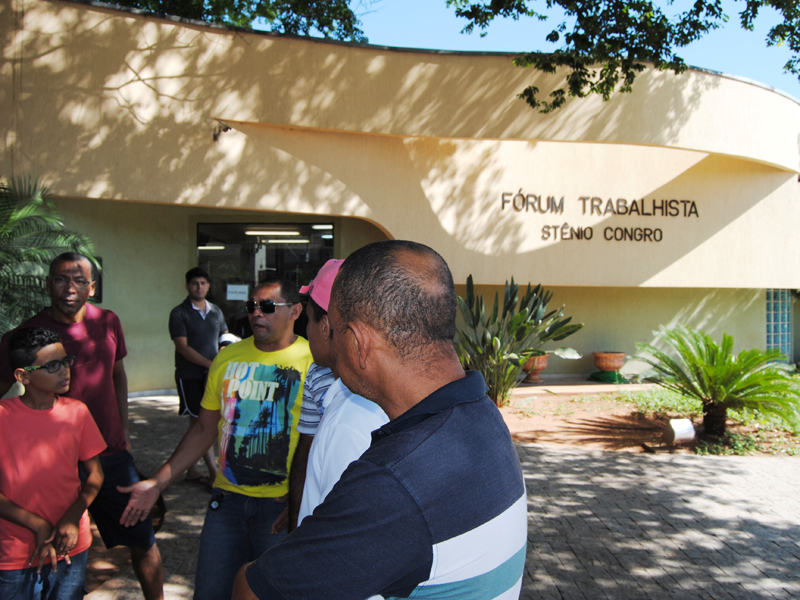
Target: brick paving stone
[[733, 536], [601, 524]]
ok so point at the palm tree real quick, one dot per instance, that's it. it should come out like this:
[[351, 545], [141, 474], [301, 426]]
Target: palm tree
[[31, 235], [721, 379]]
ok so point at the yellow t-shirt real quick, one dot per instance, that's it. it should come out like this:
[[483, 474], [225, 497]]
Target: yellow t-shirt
[[259, 395]]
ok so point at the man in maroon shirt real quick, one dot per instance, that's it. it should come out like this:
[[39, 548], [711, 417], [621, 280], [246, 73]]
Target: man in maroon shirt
[[94, 336]]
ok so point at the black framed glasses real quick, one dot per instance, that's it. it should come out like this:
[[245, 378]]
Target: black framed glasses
[[265, 306], [54, 366], [61, 281]]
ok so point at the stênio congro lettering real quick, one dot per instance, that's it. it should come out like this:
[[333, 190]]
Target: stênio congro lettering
[[523, 202]]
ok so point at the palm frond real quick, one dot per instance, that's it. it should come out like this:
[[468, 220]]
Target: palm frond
[[31, 235], [713, 374]]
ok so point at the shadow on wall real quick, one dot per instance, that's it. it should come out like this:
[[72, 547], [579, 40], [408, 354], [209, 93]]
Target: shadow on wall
[[739, 313], [138, 97]]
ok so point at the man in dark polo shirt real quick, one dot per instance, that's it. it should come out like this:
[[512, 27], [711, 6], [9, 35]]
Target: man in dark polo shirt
[[195, 326]]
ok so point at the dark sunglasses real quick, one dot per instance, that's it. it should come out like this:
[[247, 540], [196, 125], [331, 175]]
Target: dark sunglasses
[[54, 366], [265, 306]]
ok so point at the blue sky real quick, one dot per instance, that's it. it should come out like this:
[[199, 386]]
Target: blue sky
[[430, 24]]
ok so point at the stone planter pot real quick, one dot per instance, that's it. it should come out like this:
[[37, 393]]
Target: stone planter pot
[[609, 361], [534, 368]]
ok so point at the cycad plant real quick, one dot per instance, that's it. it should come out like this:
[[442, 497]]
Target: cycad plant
[[31, 235], [720, 379], [500, 343]]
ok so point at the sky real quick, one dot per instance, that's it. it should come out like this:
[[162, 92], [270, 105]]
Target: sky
[[429, 24]]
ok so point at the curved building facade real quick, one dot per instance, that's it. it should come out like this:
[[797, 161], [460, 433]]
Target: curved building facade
[[676, 203]]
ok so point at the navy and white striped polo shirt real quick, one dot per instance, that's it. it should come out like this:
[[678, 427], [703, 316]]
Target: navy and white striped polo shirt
[[436, 508]]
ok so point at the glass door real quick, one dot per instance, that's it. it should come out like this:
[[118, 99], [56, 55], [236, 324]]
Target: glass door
[[239, 255]]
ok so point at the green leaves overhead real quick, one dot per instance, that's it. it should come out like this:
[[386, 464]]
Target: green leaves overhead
[[604, 44], [333, 19]]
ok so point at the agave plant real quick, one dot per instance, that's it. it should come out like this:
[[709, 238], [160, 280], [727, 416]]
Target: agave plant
[[31, 235], [500, 343], [720, 379]]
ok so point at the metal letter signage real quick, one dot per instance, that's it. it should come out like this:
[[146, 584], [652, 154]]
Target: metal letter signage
[[594, 206]]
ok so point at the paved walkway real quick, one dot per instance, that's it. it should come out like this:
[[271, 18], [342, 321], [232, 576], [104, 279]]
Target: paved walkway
[[602, 524]]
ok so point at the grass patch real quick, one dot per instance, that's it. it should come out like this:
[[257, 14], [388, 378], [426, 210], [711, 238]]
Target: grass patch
[[749, 431], [663, 403]]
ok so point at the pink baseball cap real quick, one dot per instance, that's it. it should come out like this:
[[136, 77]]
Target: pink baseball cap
[[320, 287]]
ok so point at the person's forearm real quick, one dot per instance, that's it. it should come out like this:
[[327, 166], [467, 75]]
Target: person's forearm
[[120, 379], [14, 513], [194, 444], [193, 356], [89, 490], [241, 589], [297, 478]]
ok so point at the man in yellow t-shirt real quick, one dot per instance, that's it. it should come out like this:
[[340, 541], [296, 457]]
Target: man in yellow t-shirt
[[252, 406]]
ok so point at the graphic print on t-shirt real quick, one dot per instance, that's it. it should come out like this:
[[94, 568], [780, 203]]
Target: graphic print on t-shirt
[[257, 409]]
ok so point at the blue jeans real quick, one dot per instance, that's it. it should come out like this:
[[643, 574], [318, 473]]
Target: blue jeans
[[66, 584], [234, 534]]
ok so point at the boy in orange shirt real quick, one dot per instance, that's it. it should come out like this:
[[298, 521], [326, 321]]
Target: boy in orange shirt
[[44, 528]]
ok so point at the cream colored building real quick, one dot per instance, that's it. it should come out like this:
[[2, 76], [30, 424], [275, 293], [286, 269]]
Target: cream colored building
[[677, 203]]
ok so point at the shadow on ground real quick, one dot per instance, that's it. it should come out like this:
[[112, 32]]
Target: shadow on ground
[[156, 430], [616, 432], [621, 525], [601, 524]]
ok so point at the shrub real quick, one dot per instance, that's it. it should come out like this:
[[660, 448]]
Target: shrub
[[499, 344]]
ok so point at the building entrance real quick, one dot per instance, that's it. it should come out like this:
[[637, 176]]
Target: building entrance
[[239, 255]]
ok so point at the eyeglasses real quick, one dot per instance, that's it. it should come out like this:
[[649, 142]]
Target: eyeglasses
[[265, 306], [54, 366], [61, 281]]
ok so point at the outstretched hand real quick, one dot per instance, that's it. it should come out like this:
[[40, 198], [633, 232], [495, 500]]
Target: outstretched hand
[[144, 495]]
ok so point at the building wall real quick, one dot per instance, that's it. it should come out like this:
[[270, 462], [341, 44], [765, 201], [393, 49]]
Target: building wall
[[146, 250], [615, 319], [119, 76], [144, 127], [429, 146]]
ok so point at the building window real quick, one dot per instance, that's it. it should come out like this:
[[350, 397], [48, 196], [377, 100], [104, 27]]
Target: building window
[[779, 321]]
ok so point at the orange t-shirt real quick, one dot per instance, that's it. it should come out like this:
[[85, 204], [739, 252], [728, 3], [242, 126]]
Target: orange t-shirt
[[39, 455]]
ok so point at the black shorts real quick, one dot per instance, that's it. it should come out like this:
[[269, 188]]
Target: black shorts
[[190, 392], [107, 508]]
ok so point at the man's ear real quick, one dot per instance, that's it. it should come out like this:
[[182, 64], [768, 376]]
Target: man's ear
[[363, 341], [325, 326], [295, 311], [92, 288]]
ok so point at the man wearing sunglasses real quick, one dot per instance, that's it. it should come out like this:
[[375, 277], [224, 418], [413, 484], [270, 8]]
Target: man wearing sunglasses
[[252, 406], [94, 337]]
